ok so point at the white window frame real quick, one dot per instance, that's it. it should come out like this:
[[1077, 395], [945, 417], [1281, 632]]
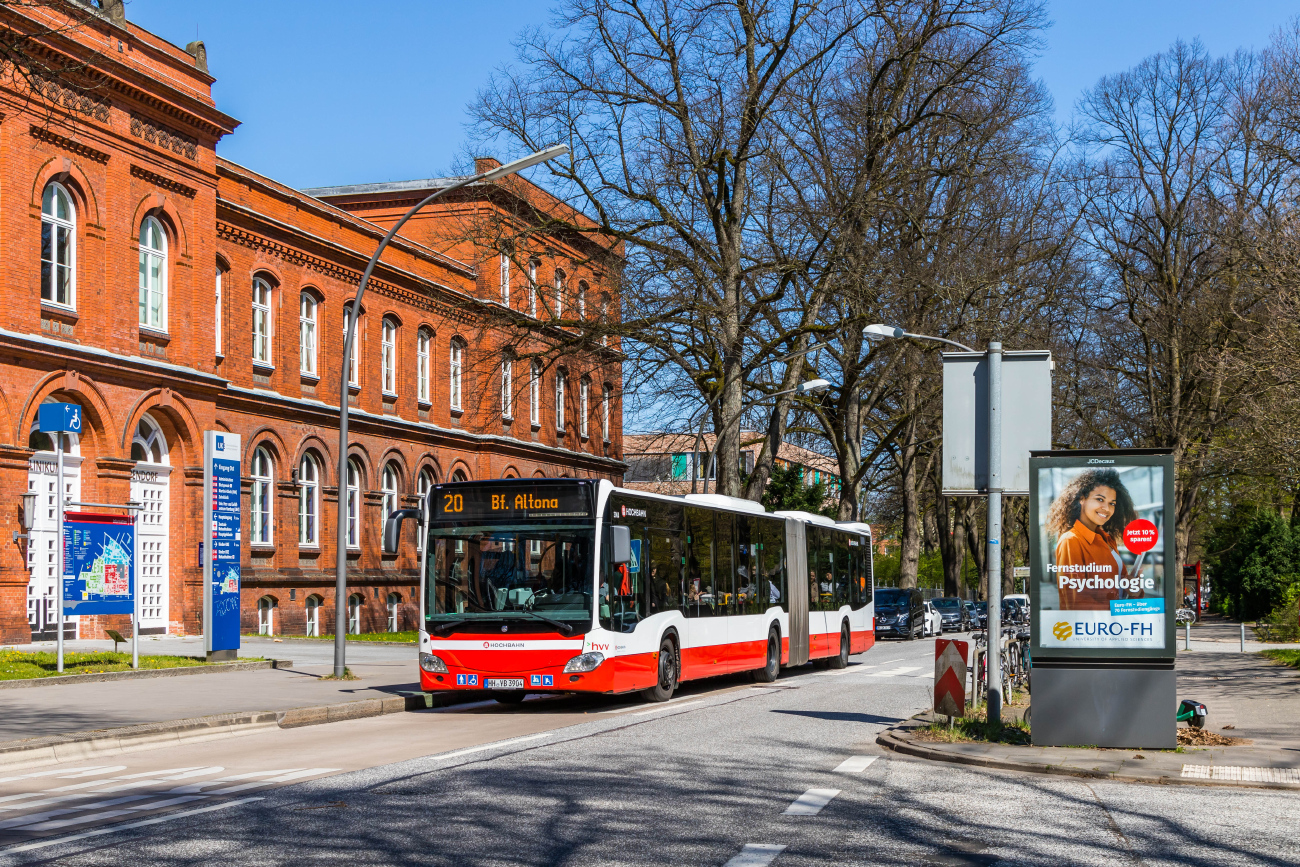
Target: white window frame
[[354, 369], [455, 371], [50, 268], [308, 328], [505, 279], [507, 388], [559, 400], [353, 494], [313, 605], [604, 413], [423, 341], [355, 602], [584, 389], [423, 484], [262, 505], [559, 293], [535, 394], [266, 616], [390, 484], [388, 356], [153, 295], [263, 294], [394, 611], [582, 299], [532, 288], [216, 323], [309, 501]]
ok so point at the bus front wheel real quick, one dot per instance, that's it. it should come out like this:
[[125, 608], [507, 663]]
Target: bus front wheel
[[667, 685]]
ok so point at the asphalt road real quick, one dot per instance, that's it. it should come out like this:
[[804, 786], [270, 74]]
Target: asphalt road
[[729, 773]]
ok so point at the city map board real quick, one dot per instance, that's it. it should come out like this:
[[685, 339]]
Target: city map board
[[98, 563]]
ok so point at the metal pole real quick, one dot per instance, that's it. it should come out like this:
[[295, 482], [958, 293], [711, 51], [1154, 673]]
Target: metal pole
[[1243, 638], [1187, 635], [58, 548], [995, 531], [135, 591]]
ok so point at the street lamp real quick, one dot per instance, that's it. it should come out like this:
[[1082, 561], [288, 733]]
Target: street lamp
[[340, 564], [812, 385], [993, 561]]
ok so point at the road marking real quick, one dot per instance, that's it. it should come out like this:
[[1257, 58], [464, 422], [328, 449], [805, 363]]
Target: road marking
[[810, 803], [855, 764], [1241, 774], [894, 672], [855, 669], [756, 855], [492, 746], [669, 706], [41, 844], [68, 773]]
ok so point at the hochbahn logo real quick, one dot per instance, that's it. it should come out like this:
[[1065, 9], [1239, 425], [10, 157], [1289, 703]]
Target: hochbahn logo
[[503, 645]]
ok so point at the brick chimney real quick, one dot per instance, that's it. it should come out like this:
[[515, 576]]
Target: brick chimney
[[483, 165]]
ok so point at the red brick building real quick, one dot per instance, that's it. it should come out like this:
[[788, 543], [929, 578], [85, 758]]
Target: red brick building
[[169, 292]]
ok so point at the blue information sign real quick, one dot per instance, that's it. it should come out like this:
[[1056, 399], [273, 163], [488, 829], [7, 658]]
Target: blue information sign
[[98, 564], [59, 417], [222, 513]]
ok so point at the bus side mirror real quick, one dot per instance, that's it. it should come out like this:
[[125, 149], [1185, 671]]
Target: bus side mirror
[[620, 539], [393, 528]]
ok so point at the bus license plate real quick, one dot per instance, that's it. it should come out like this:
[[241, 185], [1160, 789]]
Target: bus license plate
[[504, 683]]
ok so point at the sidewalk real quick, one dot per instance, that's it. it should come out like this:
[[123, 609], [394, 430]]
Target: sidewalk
[[1257, 698]]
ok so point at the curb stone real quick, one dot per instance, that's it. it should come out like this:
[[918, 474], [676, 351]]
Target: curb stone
[[140, 674], [895, 739]]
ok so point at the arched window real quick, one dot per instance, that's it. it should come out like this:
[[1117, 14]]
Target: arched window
[[582, 299], [390, 485], [584, 389], [58, 247], [394, 612], [307, 334], [153, 274], [309, 500], [263, 473], [604, 411], [604, 318], [388, 357], [354, 614], [216, 318], [505, 279], [313, 615], [266, 616], [507, 388], [423, 484], [535, 393], [454, 372], [559, 294], [532, 287], [261, 322], [422, 372], [354, 359], [148, 445], [559, 400], [354, 503], [459, 476]]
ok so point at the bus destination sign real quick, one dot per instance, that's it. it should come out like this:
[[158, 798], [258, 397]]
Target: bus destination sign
[[495, 502]]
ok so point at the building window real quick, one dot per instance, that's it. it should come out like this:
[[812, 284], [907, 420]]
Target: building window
[[394, 612], [389, 485], [153, 275], [354, 614], [604, 412], [454, 372], [507, 389], [313, 616], [604, 319], [423, 484], [309, 501], [58, 247], [263, 496], [559, 400], [505, 279], [532, 287], [266, 616], [535, 393], [216, 320], [422, 357], [354, 504], [388, 357], [354, 359], [582, 299], [261, 322], [559, 294], [584, 389], [307, 334]]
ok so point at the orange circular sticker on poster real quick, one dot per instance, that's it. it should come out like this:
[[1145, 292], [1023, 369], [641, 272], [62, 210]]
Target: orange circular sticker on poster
[[1140, 536]]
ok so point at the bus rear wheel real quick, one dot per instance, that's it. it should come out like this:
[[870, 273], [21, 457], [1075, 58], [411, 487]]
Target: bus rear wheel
[[508, 697], [769, 672], [667, 685], [841, 660]]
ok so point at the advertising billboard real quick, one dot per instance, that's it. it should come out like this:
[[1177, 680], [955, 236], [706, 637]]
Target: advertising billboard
[[1101, 544]]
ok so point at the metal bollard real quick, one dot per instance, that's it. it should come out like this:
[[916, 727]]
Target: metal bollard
[[1187, 636], [1243, 637]]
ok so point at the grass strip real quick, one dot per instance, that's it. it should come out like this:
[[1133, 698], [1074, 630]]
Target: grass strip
[[25, 665], [410, 637], [1286, 657]]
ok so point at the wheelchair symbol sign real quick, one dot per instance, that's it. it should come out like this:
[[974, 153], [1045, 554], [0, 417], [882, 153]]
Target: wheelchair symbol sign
[[634, 565]]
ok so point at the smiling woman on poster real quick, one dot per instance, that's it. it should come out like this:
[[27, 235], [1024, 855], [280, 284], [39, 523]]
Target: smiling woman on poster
[[1087, 518]]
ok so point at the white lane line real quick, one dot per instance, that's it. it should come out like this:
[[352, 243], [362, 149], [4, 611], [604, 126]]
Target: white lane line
[[855, 764], [491, 746], [756, 855], [68, 773], [109, 814], [853, 669], [810, 803], [669, 706], [41, 844], [894, 672], [28, 819], [282, 778]]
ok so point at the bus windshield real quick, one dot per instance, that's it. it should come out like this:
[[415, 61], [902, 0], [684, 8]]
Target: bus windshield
[[539, 572]]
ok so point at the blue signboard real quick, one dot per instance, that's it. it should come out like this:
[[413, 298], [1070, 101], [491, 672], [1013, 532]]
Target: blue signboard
[[59, 417], [634, 565], [98, 564], [222, 519]]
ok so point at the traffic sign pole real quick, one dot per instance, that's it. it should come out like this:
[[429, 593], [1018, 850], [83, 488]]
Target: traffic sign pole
[[58, 547]]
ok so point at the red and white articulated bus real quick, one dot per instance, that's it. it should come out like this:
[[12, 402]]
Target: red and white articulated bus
[[574, 585]]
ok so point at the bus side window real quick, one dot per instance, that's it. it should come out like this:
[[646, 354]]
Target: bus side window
[[724, 564], [664, 581], [699, 564], [746, 558], [843, 571]]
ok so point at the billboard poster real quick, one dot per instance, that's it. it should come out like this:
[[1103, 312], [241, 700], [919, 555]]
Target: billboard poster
[[98, 564], [221, 522], [1101, 542]]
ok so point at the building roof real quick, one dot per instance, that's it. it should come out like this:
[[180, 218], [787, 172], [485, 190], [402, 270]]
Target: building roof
[[390, 187], [669, 442]]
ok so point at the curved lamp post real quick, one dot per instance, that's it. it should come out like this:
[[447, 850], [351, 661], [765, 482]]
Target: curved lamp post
[[341, 554], [802, 388]]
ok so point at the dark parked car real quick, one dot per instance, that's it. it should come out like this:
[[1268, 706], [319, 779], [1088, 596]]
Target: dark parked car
[[899, 612], [982, 612], [972, 614], [953, 613]]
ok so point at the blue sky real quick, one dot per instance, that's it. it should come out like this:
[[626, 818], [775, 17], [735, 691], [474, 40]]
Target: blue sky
[[334, 92]]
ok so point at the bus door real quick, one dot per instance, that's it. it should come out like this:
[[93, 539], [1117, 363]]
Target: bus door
[[796, 598]]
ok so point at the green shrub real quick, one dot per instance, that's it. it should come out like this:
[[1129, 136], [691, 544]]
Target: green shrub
[[1254, 561], [1285, 619]]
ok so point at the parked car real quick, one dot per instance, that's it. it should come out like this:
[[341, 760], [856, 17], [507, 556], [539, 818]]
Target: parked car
[[933, 620], [899, 613], [953, 614], [972, 613], [982, 613]]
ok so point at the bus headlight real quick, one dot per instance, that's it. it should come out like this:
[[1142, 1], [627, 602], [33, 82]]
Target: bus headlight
[[432, 664], [585, 662]]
